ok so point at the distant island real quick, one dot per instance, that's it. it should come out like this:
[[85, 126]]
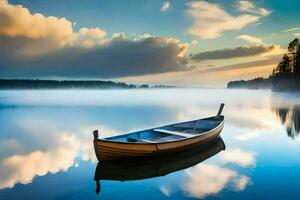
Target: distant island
[[69, 84], [285, 77], [256, 83]]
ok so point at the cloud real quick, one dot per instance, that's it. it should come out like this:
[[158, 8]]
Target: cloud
[[36, 34], [194, 42], [146, 35], [118, 58], [257, 24], [271, 60], [120, 36], [250, 39], [247, 136], [241, 183], [211, 20], [18, 22], [40, 46], [23, 168], [291, 29], [241, 51], [245, 5], [239, 157], [90, 37], [165, 190], [165, 6], [248, 6], [264, 12], [205, 180]]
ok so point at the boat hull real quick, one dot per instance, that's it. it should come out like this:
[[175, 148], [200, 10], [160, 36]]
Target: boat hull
[[156, 166], [110, 150]]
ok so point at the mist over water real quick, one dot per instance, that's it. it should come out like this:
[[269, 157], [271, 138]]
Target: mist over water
[[46, 149]]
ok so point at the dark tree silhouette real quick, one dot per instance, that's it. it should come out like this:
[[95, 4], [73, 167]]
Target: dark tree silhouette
[[297, 67], [57, 84], [285, 77], [294, 52], [284, 65], [282, 113], [290, 118]]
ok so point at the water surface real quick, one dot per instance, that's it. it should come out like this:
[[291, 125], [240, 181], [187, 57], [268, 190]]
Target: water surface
[[46, 147]]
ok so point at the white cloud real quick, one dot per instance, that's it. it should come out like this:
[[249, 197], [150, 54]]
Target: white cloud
[[247, 136], [165, 190], [150, 36], [23, 168], [245, 5], [205, 180], [165, 6], [43, 33], [248, 6], [93, 33], [211, 20], [239, 157], [264, 12], [90, 37], [17, 21], [291, 29], [241, 183], [250, 39], [146, 35], [194, 42], [120, 36], [257, 24]]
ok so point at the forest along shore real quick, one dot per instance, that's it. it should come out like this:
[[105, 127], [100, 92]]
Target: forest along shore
[[68, 84], [285, 77]]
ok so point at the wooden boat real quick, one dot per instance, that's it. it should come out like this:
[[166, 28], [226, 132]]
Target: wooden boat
[[161, 140], [144, 168]]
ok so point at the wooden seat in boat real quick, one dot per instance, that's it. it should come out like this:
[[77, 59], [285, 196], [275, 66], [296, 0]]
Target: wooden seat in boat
[[129, 139], [201, 124], [186, 135]]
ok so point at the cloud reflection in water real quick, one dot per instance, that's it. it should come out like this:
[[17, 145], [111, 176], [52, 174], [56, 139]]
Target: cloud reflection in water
[[23, 168], [45, 132], [238, 157], [207, 179]]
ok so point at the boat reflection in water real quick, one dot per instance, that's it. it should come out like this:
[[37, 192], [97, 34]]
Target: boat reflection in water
[[129, 170]]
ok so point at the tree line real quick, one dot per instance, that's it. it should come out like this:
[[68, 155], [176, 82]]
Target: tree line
[[284, 77], [290, 117], [290, 62], [68, 84]]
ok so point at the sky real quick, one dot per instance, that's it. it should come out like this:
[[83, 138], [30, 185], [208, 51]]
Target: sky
[[192, 43]]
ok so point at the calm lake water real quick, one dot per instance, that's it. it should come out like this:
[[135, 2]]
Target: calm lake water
[[46, 149]]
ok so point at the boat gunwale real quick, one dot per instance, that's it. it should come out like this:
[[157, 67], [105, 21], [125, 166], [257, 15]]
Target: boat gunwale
[[165, 142]]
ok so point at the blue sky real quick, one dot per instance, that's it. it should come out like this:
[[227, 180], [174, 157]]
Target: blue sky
[[138, 17], [256, 26]]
